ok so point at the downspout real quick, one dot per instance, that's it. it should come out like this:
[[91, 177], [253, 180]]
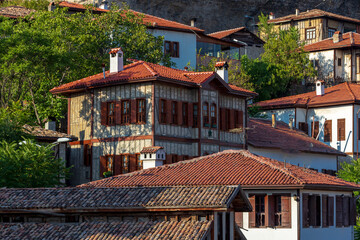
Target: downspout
[[357, 132]]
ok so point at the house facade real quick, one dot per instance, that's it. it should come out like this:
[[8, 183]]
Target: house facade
[[315, 25], [288, 202], [117, 113]]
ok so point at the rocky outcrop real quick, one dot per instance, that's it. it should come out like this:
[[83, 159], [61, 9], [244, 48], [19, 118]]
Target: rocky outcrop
[[216, 15]]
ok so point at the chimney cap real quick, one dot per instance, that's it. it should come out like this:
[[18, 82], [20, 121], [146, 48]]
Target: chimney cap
[[222, 64], [115, 50]]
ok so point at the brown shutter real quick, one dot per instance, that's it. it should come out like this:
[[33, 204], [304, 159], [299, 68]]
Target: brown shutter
[[179, 113], [190, 114], [312, 209], [223, 119], [305, 210], [330, 211], [341, 129], [168, 112], [252, 215], [315, 129], [168, 158], [339, 211], [117, 165], [239, 219], [271, 216], [241, 119], [266, 210], [133, 163], [328, 131], [232, 119], [103, 113], [352, 213], [180, 158], [133, 111], [87, 154], [118, 112], [102, 166], [346, 210], [324, 206], [286, 211]]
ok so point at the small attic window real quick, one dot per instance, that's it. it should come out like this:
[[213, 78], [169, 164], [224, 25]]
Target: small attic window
[[113, 54], [144, 155], [149, 155]]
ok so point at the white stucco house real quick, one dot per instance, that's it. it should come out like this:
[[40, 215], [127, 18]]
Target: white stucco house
[[330, 115]]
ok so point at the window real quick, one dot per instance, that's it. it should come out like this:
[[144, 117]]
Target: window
[[125, 113], [315, 129], [239, 119], [345, 211], [206, 114], [139, 163], [310, 33], [331, 32], [162, 111], [125, 163], [341, 129], [227, 119], [174, 112], [213, 116], [87, 154], [339, 62], [111, 113], [260, 210], [172, 48], [140, 111], [185, 114], [173, 158], [277, 211], [327, 131], [195, 115]]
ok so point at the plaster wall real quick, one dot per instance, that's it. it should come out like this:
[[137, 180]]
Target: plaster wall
[[325, 67]]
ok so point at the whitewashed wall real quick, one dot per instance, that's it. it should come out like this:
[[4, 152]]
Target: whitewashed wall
[[326, 63]]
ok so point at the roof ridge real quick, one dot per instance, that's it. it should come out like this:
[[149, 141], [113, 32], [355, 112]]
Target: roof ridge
[[151, 70], [238, 28], [351, 92]]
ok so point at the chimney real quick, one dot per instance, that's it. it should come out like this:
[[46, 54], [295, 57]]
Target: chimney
[[337, 37], [297, 11], [192, 22], [116, 60], [320, 88], [273, 120], [50, 125], [221, 68], [104, 5], [271, 16], [291, 123], [152, 157]]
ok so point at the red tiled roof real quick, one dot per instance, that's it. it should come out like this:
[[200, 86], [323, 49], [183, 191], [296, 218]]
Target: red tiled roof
[[229, 167], [106, 230], [152, 21], [262, 135], [350, 39], [314, 13], [150, 149], [15, 11], [220, 64], [141, 70], [225, 33], [344, 93]]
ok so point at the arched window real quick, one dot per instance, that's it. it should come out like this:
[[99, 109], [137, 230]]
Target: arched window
[[206, 114], [213, 115]]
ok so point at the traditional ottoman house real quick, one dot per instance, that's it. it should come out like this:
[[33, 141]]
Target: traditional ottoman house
[[288, 202], [117, 113]]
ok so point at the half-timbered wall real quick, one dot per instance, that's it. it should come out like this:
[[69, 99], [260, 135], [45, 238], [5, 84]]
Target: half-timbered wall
[[80, 115]]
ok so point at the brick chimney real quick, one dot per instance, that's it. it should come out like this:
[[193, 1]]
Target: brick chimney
[[337, 37], [221, 68], [116, 60]]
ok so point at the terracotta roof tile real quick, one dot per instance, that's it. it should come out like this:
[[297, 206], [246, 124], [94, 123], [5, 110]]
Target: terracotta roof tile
[[141, 70], [349, 40], [46, 134], [339, 94], [220, 64], [151, 149], [225, 33], [229, 167], [262, 135], [117, 198], [15, 11], [106, 230], [314, 13]]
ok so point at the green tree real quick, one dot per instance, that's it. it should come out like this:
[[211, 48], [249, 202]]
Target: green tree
[[30, 165], [31, 4], [48, 49]]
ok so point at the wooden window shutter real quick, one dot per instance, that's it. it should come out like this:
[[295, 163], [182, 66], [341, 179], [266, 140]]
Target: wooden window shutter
[[239, 219], [232, 118], [324, 206], [168, 158], [117, 165], [169, 111], [312, 210], [341, 129], [133, 163], [286, 211], [266, 206], [339, 211], [330, 211], [252, 214], [346, 211], [223, 119], [241, 119], [118, 112], [271, 212], [179, 112], [328, 131], [102, 166], [314, 129], [352, 211], [133, 111], [87, 154], [190, 114], [103, 113], [305, 210]]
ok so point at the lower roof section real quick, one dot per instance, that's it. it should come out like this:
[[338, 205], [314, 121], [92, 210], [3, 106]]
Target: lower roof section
[[107, 230]]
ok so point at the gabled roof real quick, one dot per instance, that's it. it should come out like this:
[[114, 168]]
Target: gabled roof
[[15, 11], [145, 71], [314, 13], [225, 33], [228, 168], [344, 93], [107, 230], [350, 39], [43, 134], [262, 135], [150, 20]]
